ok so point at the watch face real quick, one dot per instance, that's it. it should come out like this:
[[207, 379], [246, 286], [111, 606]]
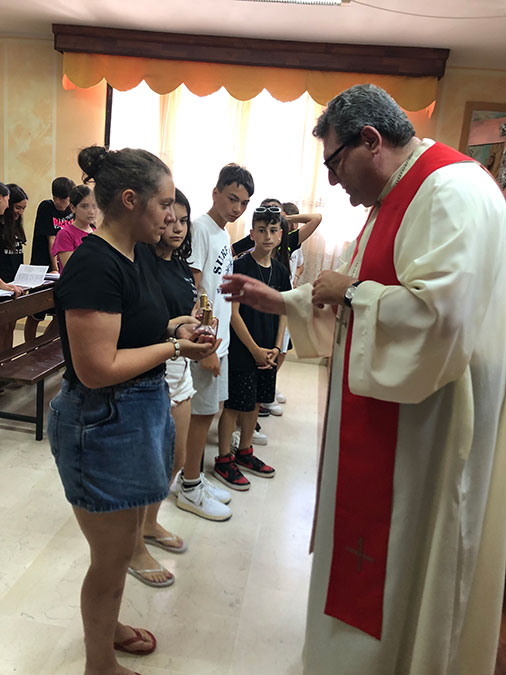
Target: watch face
[[348, 295], [350, 292]]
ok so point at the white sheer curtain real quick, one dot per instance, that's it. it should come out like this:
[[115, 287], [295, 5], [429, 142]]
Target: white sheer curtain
[[196, 136]]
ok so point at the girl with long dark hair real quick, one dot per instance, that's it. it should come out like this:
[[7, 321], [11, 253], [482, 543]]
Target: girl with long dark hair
[[12, 240]]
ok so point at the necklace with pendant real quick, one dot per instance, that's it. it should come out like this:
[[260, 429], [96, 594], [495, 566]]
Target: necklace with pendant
[[262, 278]]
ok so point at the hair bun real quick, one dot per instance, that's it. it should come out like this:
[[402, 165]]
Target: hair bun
[[90, 160]]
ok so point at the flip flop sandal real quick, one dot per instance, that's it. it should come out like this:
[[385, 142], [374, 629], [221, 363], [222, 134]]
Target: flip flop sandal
[[123, 646], [138, 574], [167, 543]]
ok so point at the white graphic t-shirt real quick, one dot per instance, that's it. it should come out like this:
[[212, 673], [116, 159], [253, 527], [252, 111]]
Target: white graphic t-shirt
[[212, 255]]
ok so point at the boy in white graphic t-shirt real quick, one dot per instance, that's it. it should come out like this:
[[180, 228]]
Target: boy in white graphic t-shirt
[[211, 259]]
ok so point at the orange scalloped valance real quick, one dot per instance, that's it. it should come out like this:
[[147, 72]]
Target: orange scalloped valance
[[242, 82]]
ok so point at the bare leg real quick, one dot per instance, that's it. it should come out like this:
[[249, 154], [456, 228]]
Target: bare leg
[[111, 537], [226, 427], [197, 437], [182, 415], [152, 528], [248, 424], [142, 558]]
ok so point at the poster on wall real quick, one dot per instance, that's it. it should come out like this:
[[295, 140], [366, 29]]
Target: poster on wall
[[483, 137], [488, 154]]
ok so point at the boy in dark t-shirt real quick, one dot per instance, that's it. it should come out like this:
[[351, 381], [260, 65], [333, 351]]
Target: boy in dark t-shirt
[[52, 215], [255, 343]]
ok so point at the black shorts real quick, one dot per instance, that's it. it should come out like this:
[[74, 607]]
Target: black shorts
[[247, 388]]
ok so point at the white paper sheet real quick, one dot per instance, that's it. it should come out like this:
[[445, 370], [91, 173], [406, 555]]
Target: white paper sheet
[[30, 276]]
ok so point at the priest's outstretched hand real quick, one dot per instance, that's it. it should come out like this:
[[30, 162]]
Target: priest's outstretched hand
[[249, 291], [330, 287]]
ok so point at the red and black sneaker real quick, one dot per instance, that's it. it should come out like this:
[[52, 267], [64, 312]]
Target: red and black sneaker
[[226, 470], [249, 462]]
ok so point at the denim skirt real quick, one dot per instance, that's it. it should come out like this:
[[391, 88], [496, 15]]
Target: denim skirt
[[114, 447]]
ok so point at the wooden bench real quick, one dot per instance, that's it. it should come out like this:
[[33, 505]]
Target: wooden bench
[[30, 362]]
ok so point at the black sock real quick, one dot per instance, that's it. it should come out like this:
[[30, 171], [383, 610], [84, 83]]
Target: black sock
[[190, 483]]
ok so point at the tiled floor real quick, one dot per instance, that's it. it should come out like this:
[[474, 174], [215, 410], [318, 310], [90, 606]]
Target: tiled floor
[[238, 604]]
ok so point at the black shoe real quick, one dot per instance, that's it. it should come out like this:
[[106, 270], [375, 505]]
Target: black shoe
[[263, 412], [226, 470], [247, 461]]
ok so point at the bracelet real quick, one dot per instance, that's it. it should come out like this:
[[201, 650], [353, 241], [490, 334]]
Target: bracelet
[[175, 329], [177, 348], [278, 348]]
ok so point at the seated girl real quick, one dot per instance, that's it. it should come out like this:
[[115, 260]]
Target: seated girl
[[12, 240]]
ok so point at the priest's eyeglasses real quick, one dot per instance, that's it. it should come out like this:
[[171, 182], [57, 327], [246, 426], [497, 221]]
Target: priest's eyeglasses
[[327, 162], [269, 209]]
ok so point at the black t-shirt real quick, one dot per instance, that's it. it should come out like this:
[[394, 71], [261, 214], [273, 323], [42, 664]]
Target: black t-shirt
[[246, 243], [262, 327], [10, 258], [97, 276], [178, 286], [48, 222]]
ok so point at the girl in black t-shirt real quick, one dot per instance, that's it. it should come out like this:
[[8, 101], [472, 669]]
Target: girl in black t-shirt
[[12, 240], [12, 233], [180, 295], [110, 428], [178, 287]]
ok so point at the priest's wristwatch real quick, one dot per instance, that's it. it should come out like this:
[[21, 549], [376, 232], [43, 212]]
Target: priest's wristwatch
[[350, 292]]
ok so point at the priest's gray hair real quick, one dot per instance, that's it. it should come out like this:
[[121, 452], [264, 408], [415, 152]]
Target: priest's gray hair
[[361, 105]]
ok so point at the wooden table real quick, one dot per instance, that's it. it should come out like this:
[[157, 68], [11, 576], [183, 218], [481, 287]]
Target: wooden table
[[30, 362]]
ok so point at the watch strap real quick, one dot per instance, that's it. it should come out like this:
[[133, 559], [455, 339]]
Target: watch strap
[[347, 300]]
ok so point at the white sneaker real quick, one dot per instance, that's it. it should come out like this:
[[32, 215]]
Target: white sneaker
[[199, 501], [177, 484], [274, 408], [280, 398], [258, 439], [213, 491], [216, 492]]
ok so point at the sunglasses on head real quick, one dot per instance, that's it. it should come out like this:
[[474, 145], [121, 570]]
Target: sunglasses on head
[[265, 209]]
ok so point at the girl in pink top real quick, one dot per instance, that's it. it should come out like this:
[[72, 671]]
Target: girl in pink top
[[84, 208]]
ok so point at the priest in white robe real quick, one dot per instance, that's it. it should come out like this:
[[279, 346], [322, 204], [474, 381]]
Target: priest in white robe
[[410, 527]]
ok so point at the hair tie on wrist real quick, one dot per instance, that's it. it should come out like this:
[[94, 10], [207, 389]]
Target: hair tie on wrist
[[175, 329]]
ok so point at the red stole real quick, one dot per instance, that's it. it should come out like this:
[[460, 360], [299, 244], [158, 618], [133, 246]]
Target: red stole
[[368, 437]]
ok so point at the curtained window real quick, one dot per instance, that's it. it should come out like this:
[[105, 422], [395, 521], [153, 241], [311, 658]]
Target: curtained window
[[196, 136], [204, 101]]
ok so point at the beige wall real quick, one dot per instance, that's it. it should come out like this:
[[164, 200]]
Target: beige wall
[[42, 126], [458, 86]]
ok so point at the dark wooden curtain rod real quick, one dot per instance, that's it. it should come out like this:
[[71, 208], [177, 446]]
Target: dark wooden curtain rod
[[385, 60]]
